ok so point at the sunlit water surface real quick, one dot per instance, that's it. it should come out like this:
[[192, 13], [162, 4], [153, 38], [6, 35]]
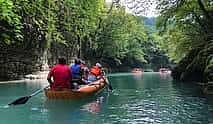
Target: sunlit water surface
[[137, 99]]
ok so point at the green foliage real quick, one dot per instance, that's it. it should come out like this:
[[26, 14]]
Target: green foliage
[[89, 29], [184, 25], [119, 37], [10, 23]]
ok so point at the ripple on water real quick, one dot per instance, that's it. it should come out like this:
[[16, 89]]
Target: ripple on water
[[39, 114], [4, 106]]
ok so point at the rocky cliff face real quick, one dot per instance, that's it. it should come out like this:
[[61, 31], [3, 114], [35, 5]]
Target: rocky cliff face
[[197, 65], [17, 61]]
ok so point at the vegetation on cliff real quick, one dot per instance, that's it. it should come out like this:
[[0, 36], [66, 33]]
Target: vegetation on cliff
[[187, 35], [35, 32]]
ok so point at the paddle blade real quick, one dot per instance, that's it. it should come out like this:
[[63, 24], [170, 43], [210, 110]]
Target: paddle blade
[[110, 87], [21, 100]]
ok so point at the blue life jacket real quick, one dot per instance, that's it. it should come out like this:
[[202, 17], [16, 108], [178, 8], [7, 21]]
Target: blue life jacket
[[76, 71]]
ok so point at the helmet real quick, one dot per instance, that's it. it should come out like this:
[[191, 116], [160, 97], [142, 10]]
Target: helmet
[[98, 65]]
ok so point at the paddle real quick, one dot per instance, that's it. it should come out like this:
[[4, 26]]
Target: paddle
[[107, 81], [23, 100]]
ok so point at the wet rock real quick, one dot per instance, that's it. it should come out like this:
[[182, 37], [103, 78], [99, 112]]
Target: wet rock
[[196, 66]]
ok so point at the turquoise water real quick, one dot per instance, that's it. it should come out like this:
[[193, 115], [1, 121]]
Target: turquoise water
[[147, 98]]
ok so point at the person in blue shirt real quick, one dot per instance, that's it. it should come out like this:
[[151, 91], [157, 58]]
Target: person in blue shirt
[[77, 73], [76, 69]]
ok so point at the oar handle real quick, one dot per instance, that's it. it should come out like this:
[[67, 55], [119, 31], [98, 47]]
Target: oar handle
[[38, 91], [107, 81]]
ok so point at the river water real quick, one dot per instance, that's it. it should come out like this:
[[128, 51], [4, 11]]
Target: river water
[[147, 98]]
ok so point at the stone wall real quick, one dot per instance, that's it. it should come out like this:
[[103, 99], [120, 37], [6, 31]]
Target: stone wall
[[15, 63]]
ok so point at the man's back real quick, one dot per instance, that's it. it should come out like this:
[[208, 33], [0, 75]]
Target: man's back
[[61, 76]]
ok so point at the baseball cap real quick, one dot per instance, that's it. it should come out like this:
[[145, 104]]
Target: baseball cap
[[98, 65]]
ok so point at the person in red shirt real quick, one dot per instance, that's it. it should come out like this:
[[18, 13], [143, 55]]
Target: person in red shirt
[[61, 75]]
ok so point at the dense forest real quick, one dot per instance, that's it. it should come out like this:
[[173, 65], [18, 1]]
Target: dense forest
[[34, 33], [186, 29]]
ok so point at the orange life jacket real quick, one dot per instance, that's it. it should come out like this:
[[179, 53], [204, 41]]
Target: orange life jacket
[[95, 71]]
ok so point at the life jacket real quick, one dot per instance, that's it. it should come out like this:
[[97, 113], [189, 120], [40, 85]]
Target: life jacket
[[82, 65], [95, 71], [76, 71]]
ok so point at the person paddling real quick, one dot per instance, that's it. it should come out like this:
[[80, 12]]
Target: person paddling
[[95, 73], [85, 71]]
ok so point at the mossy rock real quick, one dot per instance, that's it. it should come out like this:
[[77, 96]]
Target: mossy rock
[[208, 73], [195, 70], [182, 65], [196, 66]]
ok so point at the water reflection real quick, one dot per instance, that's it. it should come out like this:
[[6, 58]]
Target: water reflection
[[137, 76], [63, 111], [187, 89], [165, 75], [66, 111], [93, 107]]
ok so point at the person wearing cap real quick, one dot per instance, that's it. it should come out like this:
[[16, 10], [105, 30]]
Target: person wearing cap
[[85, 71], [95, 73], [61, 75]]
